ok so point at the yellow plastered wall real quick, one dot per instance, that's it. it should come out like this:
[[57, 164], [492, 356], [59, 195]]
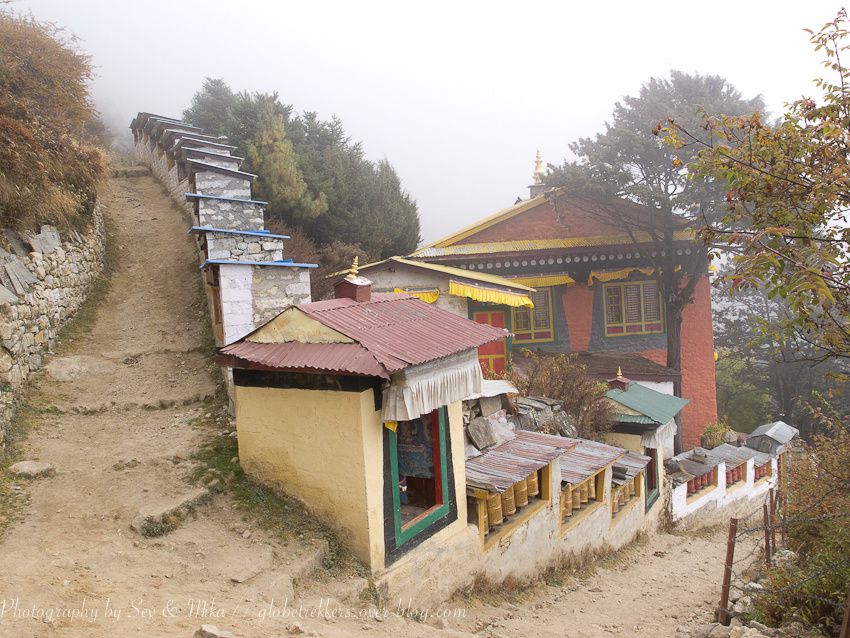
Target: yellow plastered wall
[[311, 444]]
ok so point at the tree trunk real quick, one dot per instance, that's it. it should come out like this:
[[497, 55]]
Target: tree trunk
[[674, 361]]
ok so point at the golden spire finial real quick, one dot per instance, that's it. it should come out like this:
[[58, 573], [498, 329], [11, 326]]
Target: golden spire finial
[[619, 371], [539, 168], [353, 271]]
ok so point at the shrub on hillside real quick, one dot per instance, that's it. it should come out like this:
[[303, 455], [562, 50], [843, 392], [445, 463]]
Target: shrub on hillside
[[48, 173], [562, 378]]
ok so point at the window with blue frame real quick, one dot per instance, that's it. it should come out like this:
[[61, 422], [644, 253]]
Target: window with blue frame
[[417, 452]]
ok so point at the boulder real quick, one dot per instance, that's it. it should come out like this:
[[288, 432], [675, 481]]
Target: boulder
[[211, 631], [32, 469]]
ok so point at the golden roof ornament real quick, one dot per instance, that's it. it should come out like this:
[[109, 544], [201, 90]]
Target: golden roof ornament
[[353, 271], [539, 168], [619, 371]]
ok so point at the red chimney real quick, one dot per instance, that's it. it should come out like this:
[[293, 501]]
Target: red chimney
[[353, 286], [619, 381]]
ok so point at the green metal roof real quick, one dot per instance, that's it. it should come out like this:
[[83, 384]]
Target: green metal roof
[[658, 407]]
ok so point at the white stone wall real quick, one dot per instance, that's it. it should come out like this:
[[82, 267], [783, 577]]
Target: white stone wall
[[243, 247], [718, 505], [40, 299], [222, 213]]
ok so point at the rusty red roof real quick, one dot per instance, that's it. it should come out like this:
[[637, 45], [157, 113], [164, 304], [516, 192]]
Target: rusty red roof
[[332, 357], [396, 330]]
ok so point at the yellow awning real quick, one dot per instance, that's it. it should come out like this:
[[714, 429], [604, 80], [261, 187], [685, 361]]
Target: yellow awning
[[541, 281], [428, 296], [611, 275], [489, 295]]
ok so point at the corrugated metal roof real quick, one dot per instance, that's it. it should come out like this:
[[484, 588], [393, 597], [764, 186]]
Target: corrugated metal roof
[[628, 466], [659, 407], [397, 331], [526, 245], [400, 330], [730, 454], [779, 431], [759, 458], [692, 462], [586, 459], [333, 357], [504, 465]]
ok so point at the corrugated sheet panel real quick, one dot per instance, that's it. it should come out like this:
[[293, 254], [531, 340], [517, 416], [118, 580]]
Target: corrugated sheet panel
[[333, 357], [730, 454], [629, 466], [779, 431], [660, 407], [759, 458], [586, 459], [401, 330], [506, 464]]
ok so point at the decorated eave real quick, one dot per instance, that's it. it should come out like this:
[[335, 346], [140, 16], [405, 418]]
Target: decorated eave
[[477, 286], [197, 141]]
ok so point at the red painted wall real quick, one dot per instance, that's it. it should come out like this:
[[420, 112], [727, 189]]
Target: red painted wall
[[698, 382]]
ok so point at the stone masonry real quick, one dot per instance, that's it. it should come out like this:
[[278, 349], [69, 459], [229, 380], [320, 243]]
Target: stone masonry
[[44, 279], [247, 275]]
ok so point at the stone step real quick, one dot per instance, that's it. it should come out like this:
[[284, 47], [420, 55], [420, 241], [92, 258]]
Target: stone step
[[130, 171], [165, 514]]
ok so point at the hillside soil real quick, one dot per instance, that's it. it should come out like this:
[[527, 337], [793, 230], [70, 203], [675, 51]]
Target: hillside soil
[[119, 411]]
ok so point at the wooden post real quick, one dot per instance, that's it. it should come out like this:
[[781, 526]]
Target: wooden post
[[723, 616], [766, 534], [845, 624], [780, 503], [773, 495]]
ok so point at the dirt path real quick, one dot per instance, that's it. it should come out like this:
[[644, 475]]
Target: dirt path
[[117, 414]]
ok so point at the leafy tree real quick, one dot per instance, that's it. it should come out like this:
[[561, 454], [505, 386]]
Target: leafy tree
[[346, 198], [211, 106], [629, 164], [787, 199], [49, 169], [279, 180]]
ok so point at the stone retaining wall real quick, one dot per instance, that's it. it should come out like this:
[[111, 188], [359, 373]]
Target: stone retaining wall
[[44, 280]]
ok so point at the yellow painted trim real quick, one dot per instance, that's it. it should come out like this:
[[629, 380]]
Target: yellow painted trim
[[446, 270], [624, 324], [510, 527], [602, 276], [428, 296], [489, 295], [533, 328], [391, 425], [524, 245], [495, 218], [542, 281]]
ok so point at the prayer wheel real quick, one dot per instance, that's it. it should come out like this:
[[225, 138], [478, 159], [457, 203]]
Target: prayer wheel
[[494, 509], [584, 490], [482, 506], [533, 485], [632, 488], [567, 502], [591, 489], [521, 493], [576, 492], [615, 506], [729, 478], [508, 504]]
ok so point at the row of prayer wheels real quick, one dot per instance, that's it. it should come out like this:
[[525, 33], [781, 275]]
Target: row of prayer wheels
[[506, 504], [696, 484], [580, 495], [763, 471], [623, 495], [735, 474]]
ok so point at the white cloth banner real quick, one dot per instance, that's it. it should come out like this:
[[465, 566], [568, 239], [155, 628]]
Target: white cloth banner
[[657, 438], [421, 389]]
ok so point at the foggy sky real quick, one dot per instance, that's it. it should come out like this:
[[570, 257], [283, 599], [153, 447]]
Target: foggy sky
[[458, 96]]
